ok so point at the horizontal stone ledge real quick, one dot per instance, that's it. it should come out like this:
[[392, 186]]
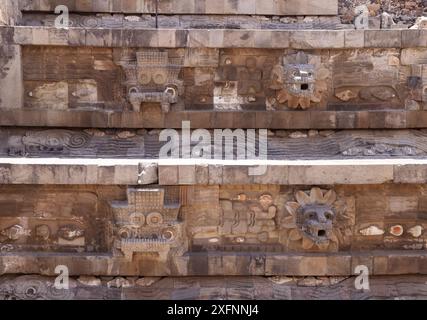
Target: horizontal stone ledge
[[238, 7], [215, 38], [313, 119], [393, 262], [229, 288], [77, 171], [210, 172]]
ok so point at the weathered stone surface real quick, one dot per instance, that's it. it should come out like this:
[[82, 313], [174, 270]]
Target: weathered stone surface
[[223, 288], [244, 7], [87, 183]]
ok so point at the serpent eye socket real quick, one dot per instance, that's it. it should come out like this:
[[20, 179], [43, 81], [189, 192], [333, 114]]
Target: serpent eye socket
[[311, 215], [329, 215]]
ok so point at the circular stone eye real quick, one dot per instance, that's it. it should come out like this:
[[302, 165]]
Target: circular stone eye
[[310, 215], [137, 219], [145, 77], [168, 235], [159, 78], [124, 234], [154, 219], [329, 215]]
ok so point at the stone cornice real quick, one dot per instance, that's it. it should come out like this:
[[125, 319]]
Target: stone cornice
[[214, 38]]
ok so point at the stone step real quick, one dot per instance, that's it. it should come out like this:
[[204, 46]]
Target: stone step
[[120, 21], [214, 38], [221, 264], [243, 7], [216, 288], [210, 172], [154, 119]]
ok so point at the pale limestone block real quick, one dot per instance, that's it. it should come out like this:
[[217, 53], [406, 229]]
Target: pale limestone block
[[264, 39], [168, 175], [202, 174], [383, 38], [273, 175], [11, 83], [246, 6], [214, 7], [126, 174], [354, 38], [318, 39], [410, 174], [187, 174], [215, 174], [148, 173], [166, 38], [411, 56], [403, 204], [340, 174], [199, 38], [263, 7]]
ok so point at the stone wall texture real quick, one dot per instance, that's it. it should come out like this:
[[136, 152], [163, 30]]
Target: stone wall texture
[[195, 149]]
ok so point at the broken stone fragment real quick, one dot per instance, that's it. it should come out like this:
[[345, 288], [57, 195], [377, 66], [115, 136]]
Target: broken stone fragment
[[416, 231], [326, 133], [420, 23], [361, 21], [120, 283], [345, 95], [298, 135], [383, 94], [89, 281], [412, 105], [281, 279], [95, 132], [125, 134], [372, 231], [312, 282], [313, 133], [147, 173], [387, 21], [147, 281]]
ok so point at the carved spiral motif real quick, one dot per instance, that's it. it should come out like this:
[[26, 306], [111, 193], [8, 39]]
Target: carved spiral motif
[[36, 288], [55, 139], [89, 22], [78, 140], [30, 288]]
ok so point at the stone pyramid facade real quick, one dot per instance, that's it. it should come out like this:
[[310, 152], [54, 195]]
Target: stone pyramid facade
[[196, 138]]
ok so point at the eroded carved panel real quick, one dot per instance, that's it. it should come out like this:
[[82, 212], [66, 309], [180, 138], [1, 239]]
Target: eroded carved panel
[[59, 221], [62, 78]]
